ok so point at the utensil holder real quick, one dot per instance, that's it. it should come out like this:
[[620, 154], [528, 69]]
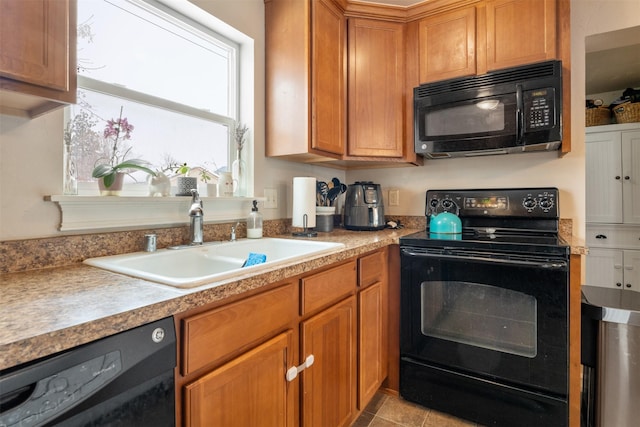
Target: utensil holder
[[324, 218]]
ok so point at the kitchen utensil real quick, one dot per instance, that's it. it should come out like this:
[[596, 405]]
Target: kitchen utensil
[[333, 194], [323, 190]]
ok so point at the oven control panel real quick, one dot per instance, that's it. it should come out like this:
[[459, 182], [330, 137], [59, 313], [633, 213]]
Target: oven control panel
[[509, 202]]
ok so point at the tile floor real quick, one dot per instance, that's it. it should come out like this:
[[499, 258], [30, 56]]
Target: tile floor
[[391, 411]]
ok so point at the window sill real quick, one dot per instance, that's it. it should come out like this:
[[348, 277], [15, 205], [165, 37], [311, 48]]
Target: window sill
[[85, 213]]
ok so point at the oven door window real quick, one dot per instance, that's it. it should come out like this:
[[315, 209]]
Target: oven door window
[[479, 315]]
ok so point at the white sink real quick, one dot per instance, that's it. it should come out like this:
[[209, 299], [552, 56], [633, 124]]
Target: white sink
[[194, 266]]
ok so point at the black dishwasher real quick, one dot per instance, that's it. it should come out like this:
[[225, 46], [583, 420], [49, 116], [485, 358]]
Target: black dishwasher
[[126, 379]]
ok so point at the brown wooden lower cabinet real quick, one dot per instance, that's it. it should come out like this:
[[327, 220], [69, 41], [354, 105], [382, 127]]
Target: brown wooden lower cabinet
[[373, 324], [234, 358], [251, 390], [372, 346], [329, 385]]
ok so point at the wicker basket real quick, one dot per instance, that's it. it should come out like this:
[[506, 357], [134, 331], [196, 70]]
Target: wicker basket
[[627, 112], [597, 116]]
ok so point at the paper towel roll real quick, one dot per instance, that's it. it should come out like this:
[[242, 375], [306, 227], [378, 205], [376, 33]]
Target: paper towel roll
[[304, 201]]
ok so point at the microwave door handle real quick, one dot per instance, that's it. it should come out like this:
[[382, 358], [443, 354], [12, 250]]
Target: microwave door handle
[[519, 116]]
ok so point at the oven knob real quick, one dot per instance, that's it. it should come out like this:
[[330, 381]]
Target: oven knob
[[529, 203], [447, 204], [434, 203], [546, 203]]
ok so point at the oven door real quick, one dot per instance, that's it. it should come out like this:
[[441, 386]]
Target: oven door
[[495, 316]]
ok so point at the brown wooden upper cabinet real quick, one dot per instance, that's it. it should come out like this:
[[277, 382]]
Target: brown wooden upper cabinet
[[376, 89], [37, 55], [485, 36], [306, 79], [520, 32], [328, 77], [308, 59], [447, 43]]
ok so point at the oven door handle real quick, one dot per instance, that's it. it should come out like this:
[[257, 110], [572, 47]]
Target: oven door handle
[[547, 264]]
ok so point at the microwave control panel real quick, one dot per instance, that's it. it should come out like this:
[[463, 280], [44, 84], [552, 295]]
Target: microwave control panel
[[539, 108]]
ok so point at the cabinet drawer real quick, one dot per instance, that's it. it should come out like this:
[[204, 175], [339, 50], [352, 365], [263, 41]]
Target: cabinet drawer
[[372, 268], [613, 236], [328, 286], [210, 336]]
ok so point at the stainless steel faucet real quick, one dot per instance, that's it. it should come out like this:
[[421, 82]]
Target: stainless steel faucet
[[197, 218]]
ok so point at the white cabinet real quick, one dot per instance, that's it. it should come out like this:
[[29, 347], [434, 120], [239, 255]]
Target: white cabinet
[[614, 268], [613, 175], [613, 206]]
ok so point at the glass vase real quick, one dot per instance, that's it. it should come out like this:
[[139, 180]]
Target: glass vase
[[239, 174], [70, 182]]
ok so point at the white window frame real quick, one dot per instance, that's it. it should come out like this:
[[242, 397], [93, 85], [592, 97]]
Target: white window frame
[[82, 213]]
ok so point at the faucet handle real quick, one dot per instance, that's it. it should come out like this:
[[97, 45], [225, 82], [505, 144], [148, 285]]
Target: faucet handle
[[233, 231], [195, 196]]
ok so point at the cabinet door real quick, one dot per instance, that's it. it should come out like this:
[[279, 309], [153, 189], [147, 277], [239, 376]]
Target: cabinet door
[[372, 342], [631, 177], [604, 268], [249, 391], [328, 77], [520, 32], [329, 385], [603, 177], [376, 88], [632, 270], [447, 45], [34, 42]]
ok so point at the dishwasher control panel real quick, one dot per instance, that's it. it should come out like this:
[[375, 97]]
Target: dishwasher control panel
[[59, 392]]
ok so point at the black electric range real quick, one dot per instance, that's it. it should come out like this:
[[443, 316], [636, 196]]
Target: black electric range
[[484, 316]]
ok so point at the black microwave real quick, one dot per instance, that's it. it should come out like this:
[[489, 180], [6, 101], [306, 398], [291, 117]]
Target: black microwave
[[512, 110]]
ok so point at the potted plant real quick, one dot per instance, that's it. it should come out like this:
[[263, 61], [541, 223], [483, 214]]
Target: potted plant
[[111, 173], [210, 181], [184, 182]]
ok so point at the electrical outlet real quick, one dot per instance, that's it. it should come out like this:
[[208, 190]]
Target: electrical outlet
[[271, 198], [394, 197]]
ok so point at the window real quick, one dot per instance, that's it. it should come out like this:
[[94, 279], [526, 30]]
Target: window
[[173, 79]]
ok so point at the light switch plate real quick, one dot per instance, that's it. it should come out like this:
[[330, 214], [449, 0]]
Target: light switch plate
[[394, 197], [271, 198]]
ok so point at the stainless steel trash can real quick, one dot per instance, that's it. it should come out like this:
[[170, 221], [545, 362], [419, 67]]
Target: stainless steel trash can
[[618, 356]]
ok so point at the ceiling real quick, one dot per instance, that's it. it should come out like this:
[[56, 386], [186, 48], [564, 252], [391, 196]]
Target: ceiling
[[612, 61]]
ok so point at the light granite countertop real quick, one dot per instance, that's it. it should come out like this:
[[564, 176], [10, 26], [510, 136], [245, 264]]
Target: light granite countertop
[[48, 310]]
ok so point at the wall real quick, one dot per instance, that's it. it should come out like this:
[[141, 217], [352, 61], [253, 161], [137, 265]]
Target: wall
[[31, 150]]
